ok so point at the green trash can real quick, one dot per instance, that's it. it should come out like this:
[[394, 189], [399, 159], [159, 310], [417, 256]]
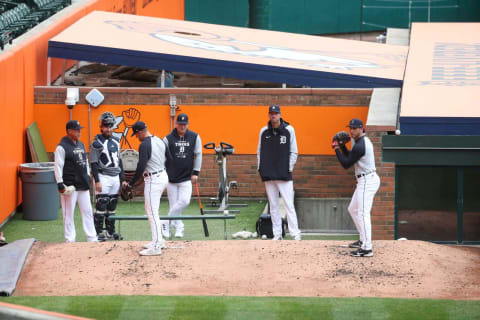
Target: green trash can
[[41, 200]]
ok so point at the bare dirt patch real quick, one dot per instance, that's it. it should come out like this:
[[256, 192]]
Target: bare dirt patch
[[407, 269]]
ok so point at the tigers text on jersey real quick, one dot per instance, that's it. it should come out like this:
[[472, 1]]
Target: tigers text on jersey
[[186, 152]]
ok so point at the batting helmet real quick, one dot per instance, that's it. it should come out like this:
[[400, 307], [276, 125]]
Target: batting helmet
[[107, 119]]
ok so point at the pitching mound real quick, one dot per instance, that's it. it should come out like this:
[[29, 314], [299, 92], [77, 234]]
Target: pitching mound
[[407, 269]]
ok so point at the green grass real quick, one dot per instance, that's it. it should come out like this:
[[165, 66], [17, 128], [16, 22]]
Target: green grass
[[52, 231], [265, 308]]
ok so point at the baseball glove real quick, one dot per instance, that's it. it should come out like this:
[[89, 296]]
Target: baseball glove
[[340, 139], [126, 193]]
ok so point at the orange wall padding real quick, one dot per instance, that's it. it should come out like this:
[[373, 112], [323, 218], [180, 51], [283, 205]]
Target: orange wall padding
[[237, 125], [25, 65]]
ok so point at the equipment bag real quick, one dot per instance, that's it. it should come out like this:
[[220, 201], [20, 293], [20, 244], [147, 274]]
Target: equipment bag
[[264, 226]]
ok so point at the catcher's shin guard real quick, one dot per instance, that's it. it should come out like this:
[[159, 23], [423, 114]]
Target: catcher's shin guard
[[110, 224], [101, 203]]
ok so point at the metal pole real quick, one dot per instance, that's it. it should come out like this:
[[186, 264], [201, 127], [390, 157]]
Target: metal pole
[[49, 70], [162, 81], [64, 66], [460, 205], [89, 124], [361, 19], [429, 10], [409, 13]]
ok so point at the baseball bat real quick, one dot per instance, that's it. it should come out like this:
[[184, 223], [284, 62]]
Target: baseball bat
[[204, 222]]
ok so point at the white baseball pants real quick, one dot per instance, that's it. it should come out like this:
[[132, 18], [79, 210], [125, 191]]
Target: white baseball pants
[[361, 205], [179, 195], [68, 208], [154, 187], [110, 184], [285, 188]]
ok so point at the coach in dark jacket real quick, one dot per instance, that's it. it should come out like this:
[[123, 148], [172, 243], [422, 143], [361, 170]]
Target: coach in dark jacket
[[185, 147], [276, 154], [73, 179]]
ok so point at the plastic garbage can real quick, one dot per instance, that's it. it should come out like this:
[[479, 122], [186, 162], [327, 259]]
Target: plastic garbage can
[[41, 200]]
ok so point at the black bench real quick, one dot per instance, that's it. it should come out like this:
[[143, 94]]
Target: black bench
[[223, 217]]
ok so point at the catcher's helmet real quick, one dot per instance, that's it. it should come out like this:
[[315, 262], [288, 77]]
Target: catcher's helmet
[[107, 119]]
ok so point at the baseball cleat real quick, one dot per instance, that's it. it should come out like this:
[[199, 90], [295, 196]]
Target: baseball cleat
[[179, 234], [275, 238], [297, 237], [151, 252], [150, 245], [165, 230], [356, 244], [101, 237], [361, 253]]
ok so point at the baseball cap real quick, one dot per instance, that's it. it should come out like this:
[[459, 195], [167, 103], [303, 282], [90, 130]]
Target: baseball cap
[[182, 118], [274, 108], [74, 125], [355, 123], [138, 126]]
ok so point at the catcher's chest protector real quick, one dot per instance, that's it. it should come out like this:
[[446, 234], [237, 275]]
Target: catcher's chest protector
[[264, 226]]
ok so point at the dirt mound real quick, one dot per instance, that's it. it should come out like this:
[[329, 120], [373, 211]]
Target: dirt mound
[[407, 269]]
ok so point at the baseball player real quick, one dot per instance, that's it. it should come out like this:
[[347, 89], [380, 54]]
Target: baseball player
[[277, 154], [108, 174], [186, 149], [73, 180], [151, 165], [363, 159]]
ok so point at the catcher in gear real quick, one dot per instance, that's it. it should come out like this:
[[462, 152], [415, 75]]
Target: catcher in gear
[[108, 174]]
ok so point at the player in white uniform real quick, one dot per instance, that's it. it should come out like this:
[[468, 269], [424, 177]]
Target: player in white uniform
[[73, 180], [151, 165], [362, 157]]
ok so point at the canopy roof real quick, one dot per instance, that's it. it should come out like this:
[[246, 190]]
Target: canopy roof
[[441, 91], [233, 52]]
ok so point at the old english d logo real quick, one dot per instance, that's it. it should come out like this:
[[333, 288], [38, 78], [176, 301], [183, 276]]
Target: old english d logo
[[283, 139]]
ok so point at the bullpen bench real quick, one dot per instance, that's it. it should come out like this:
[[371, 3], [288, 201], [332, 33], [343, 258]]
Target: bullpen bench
[[223, 217]]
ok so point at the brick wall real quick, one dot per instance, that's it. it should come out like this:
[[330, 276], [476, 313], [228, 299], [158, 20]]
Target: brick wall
[[383, 210], [200, 96]]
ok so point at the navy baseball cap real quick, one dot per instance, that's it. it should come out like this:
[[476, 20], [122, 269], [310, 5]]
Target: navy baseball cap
[[138, 126], [274, 108], [182, 118], [355, 123], [74, 125]]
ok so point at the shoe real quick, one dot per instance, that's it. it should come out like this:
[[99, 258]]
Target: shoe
[[356, 244], [101, 237], [179, 234], [114, 236], [297, 237], [151, 252], [361, 253], [165, 230], [150, 245], [275, 238]]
